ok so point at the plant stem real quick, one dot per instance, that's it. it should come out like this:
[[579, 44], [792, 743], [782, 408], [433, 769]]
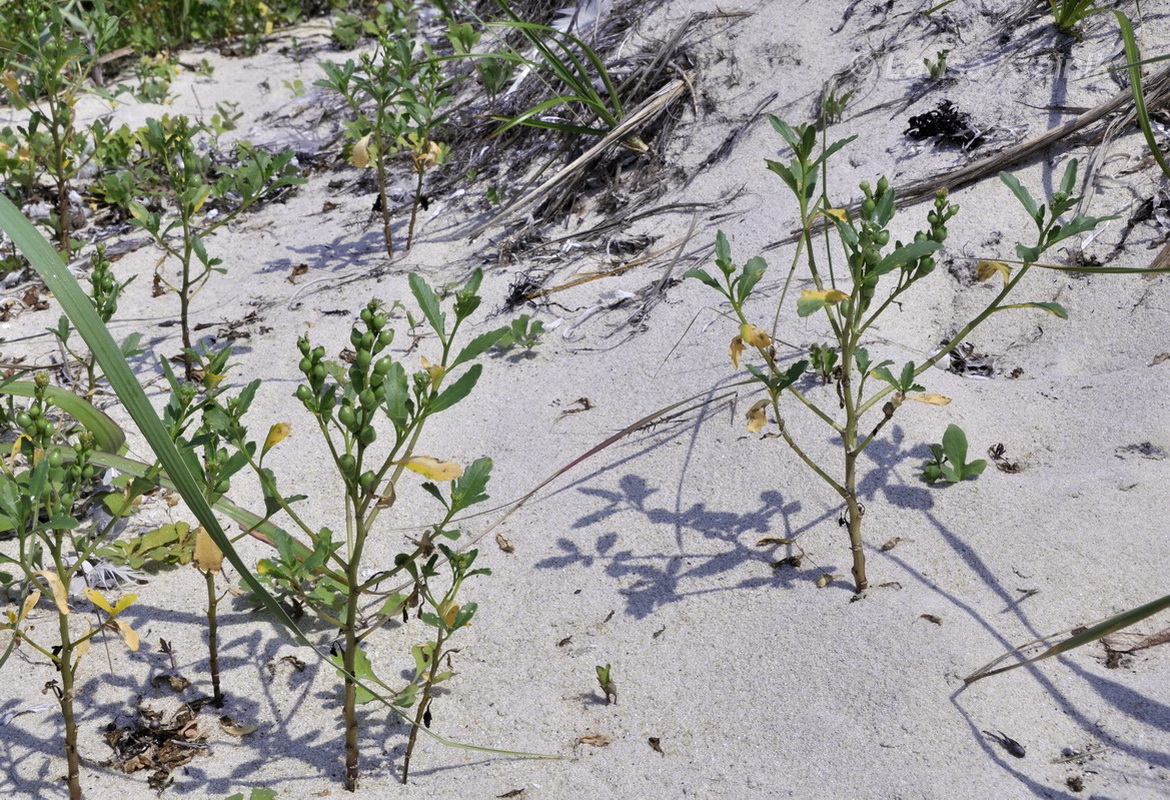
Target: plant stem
[[213, 638], [349, 659], [66, 701], [424, 703], [418, 187]]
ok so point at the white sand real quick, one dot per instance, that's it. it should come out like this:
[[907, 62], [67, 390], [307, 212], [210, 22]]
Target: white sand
[[757, 683]]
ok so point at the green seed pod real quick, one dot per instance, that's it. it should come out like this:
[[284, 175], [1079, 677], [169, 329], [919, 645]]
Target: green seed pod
[[362, 360], [367, 479], [347, 464], [367, 315], [304, 393], [367, 342], [367, 435], [55, 458], [378, 323], [24, 419], [384, 365], [355, 337], [87, 473], [347, 417], [223, 486], [303, 345], [367, 399], [868, 206], [306, 365], [882, 238]]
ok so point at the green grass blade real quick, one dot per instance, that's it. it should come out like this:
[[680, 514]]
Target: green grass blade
[[106, 433], [1133, 58], [1083, 637]]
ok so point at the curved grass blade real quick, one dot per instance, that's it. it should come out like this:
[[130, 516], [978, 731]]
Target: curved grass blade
[[1083, 637], [108, 435]]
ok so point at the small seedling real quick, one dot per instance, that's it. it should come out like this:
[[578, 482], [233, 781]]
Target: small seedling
[[606, 683], [1068, 14], [823, 358], [950, 459], [833, 105], [937, 67], [524, 332]]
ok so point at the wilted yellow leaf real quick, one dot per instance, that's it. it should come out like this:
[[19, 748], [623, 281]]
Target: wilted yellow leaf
[[276, 435], [824, 295], [929, 399], [753, 336], [432, 468], [263, 566], [450, 613], [98, 599], [839, 214], [825, 579], [60, 596], [360, 155], [82, 647], [235, 728], [985, 269], [29, 603], [128, 634], [735, 351], [757, 416], [208, 556]]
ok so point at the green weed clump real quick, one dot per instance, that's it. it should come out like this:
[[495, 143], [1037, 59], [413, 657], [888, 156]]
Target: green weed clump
[[850, 298]]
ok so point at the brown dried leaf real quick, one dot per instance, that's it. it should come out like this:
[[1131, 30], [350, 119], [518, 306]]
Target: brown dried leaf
[[931, 618], [1158, 359], [767, 540], [176, 683], [593, 740], [757, 416], [656, 744], [504, 544], [825, 579], [1161, 637], [891, 544]]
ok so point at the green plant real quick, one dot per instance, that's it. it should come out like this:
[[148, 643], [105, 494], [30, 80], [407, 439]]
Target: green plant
[[44, 75], [425, 394], [1067, 14], [44, 491], [226, 115], [849, 303], [575, 75], [833, 104], [606, 683], [296, 87], [104, 293], [937, 67], [524, 332], [187, 182], [324, 573], [950, 459], [395, 95], [255, 794]]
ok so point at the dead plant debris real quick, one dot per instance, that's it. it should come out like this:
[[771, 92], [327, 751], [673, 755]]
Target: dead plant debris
[[158, 743]]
